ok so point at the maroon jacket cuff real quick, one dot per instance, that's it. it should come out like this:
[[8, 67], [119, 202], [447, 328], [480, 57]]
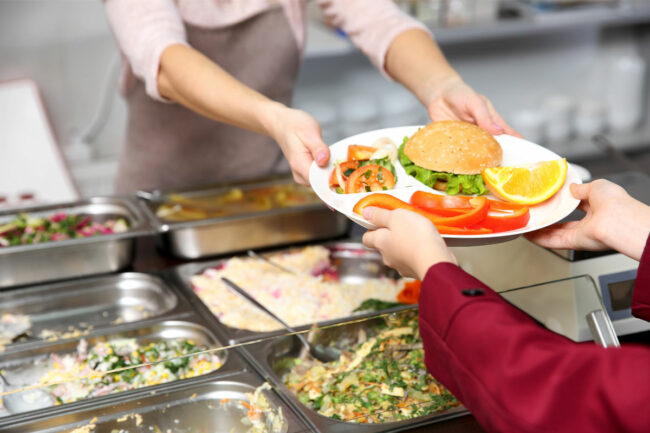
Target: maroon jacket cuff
[[459, 289], [641, 294]]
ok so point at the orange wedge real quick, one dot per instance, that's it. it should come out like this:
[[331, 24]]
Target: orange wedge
[[527, 184]]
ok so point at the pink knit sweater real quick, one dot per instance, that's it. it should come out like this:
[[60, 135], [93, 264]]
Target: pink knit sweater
[[144, 28]]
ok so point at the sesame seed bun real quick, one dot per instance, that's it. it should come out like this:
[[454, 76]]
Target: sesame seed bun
[[455, 147]]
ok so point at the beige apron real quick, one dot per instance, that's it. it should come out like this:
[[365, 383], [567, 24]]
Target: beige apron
[[170, 147]]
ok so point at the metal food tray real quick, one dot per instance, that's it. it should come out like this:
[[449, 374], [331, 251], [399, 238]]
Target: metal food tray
[[354, 262], [265, 355], [74, 308], [21, 364], [71, 258], [188, 408], [214, 236]]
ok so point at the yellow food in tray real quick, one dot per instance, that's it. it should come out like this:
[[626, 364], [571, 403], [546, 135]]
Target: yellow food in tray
[[235, 201]]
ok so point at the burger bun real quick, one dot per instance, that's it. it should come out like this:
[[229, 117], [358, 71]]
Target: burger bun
[[453, 146]]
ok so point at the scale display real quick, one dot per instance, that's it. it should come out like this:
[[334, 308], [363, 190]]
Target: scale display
[[617, 292], [620, 294]]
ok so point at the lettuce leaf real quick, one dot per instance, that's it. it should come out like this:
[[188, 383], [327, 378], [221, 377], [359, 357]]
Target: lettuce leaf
[[383, 162], [470, 183]]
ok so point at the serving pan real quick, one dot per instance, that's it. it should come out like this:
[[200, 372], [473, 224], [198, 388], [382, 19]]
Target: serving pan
[[191, 408], [354, 263], [25, 367], [241, 231], [74, 308], [56, 260], [267, 358]]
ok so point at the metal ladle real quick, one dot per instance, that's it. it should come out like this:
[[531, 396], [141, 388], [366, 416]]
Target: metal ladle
[[24, 401], [323, 354]]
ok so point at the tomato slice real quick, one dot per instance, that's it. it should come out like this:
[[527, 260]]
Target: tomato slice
[[357, 152], [346, 166], [506, 221], [386, 201], [371, 177], [410, 294]]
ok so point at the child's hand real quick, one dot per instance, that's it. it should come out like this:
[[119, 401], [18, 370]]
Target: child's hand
[[408, 242]]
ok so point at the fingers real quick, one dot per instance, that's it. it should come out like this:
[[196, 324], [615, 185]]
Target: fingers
[[374, 238], [555, 236], [499, 121], [377, 216], [300, 166], [317, 148], [479, 111]]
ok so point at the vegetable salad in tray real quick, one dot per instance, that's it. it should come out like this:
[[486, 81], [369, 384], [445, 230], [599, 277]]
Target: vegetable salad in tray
[[380, 377], [27, 229]]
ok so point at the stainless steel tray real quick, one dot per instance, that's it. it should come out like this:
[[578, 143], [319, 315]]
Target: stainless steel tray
[[354, 262], [214, 236], [191, 408], [49, 261], [74, 308], [21, 368], [265, 356]]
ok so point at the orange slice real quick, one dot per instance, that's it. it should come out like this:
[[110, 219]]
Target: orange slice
[[529, 183]]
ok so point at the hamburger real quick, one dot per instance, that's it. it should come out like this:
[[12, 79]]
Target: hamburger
[[450, 155]]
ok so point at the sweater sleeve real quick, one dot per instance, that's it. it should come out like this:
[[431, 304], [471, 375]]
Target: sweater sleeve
[[641, 294], [514, 375], [372, 25], [144, 29]]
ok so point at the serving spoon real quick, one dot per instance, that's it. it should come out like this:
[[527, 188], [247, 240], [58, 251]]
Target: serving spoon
[[24, 401], [254, 255], [323, 354]]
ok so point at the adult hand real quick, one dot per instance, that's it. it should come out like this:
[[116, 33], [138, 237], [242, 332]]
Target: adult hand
[[452, 99], [613, 220], [408, 242], [299, 136]]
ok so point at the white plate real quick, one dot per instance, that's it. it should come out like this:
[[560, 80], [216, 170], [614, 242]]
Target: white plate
[[515, 151]]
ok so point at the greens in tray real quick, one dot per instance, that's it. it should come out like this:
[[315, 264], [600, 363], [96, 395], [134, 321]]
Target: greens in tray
[[26, 229], [120, 353], [381, 379]]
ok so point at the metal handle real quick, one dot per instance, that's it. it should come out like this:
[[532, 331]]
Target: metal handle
[[253, 254], [602, 329]]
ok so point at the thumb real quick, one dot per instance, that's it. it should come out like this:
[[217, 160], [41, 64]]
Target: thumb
[[580, 191]]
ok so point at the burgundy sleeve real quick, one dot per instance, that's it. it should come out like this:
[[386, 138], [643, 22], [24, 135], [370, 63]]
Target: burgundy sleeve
[[641, 294], [514, 375]]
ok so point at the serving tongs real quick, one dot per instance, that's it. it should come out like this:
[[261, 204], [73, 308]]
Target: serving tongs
[[320, 352]]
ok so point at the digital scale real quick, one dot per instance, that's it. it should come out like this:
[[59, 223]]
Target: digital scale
[[520, 263]]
